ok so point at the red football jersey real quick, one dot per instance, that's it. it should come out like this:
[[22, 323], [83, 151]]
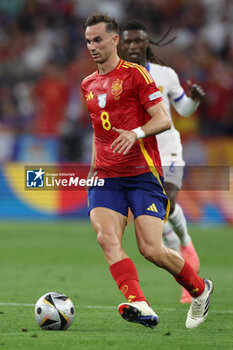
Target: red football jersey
[[120, 99]]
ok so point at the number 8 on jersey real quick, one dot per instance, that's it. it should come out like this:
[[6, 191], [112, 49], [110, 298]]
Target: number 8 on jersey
[[105, 120]]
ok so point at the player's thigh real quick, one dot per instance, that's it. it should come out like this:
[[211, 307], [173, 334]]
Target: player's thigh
[[107, 222], [109, 226], [108, 209], [149, 231]]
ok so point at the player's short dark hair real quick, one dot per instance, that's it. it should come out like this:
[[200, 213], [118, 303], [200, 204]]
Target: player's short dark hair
[[111, 23], [134, 24]]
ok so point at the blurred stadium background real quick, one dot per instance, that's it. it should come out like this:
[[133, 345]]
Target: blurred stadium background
[[43, 59]]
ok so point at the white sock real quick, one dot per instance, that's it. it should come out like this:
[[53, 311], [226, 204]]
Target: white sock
[[170, 239], [179, 225]]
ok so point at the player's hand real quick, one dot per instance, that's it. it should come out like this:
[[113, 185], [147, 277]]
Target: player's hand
[[195, 91], [124, 142]]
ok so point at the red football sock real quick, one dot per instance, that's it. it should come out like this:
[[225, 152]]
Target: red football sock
[[125, 274], [190, 281]]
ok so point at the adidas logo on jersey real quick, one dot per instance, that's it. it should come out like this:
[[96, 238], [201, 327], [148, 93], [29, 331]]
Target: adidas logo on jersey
[[90, 96], [152, 207]]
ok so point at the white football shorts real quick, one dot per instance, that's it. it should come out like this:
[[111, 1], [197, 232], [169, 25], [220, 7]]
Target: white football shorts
[[173, 169]]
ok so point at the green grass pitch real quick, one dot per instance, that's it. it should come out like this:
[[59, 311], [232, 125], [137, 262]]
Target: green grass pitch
[[36, 258]]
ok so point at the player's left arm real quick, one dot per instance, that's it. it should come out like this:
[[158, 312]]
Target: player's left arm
[[195, 91], [160, 121], [189, 103]]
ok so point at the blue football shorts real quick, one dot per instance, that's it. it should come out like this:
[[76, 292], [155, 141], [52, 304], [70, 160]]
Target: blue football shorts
[[144, 194]]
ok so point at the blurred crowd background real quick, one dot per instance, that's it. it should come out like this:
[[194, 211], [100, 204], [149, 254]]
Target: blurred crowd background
[[43, 59]]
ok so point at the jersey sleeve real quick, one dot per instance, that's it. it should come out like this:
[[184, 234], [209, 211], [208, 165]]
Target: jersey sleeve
[[83, 89], [175, 91], [84, 97], [148, 93]]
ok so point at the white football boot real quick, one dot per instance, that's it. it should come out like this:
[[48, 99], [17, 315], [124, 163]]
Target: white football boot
[[139, 312], [200, 306]]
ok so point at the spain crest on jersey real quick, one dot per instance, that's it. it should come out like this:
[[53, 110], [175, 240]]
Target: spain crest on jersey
[[102, 99], [117, 87]]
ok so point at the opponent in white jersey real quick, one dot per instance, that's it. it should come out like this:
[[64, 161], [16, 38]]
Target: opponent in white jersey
[[169, 142], [135, 45]]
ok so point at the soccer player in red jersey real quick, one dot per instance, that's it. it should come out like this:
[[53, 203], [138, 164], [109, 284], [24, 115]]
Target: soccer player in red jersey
[[126, 110]]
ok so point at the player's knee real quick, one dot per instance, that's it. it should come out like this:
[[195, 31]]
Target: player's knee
[[107, 238], [103, 238], [153, 254], [159, 259]]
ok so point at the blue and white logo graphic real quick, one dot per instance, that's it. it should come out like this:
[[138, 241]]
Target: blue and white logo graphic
[[35, 178], [172, 167]]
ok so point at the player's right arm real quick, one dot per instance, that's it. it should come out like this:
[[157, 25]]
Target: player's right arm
[[93, 159], [93, 155], [160, 121]]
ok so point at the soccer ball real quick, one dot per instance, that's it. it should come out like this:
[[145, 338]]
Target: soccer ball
[[54, 311]]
